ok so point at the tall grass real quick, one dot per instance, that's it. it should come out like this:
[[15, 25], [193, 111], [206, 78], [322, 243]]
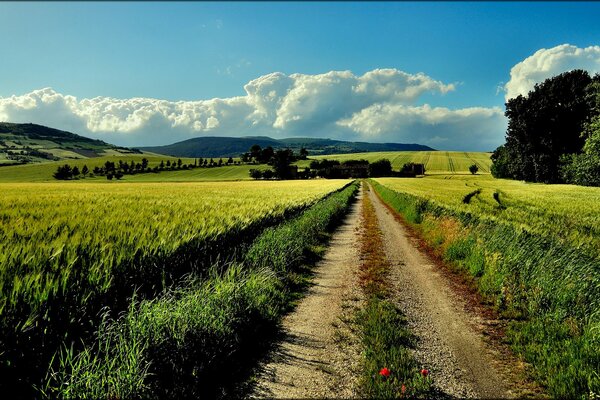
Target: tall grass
[[195, 341], [550, 291], [70, 252]]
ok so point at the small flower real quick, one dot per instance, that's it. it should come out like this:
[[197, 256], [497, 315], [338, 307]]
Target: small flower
[[384, 372], [425, 372], [403, 389]]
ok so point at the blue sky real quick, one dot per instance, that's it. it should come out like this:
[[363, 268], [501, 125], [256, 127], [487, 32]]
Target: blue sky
[[199, 51]]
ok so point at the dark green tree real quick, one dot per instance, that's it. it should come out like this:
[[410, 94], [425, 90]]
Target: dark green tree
[[543, 126], [255, 151], [380, 168], [473, 168], [303, 154], [256, 173], [85, 170], [63, 172], [281, 162]]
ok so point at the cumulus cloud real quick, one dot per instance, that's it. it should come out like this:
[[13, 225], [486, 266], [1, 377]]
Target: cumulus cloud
[[546, 63], [380, 105], [469, 129]]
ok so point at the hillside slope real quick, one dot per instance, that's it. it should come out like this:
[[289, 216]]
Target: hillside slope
[[213, 146], [28, 143]]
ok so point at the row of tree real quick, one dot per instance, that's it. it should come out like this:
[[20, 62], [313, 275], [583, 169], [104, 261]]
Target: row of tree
[[553, 133], [113, 170], [265, 156], [334, 169]]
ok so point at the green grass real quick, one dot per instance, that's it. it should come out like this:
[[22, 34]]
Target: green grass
[[436, 162], [569, 214], [193, 342], [68, 250], [533, 255]]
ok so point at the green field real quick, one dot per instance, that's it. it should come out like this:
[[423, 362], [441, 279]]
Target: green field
[[436, 162], [69, 249], [568, 213], [533, 251]]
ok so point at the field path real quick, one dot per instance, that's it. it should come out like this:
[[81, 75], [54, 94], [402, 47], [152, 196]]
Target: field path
[[448, 344], [309, 361], [312, 360]]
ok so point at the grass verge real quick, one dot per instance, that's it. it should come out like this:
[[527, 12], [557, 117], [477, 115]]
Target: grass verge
[[548, 292], [390, 371], [195, 341]]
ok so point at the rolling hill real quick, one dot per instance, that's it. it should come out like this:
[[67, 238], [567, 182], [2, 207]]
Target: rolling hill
[[31, 143], [213, 146]]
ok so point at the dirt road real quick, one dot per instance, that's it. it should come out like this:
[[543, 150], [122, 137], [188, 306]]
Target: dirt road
[[309, 362], [313, 360], [448, 345]]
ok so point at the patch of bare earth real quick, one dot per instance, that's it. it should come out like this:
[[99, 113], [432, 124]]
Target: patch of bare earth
[[320, 354], [451, 336]]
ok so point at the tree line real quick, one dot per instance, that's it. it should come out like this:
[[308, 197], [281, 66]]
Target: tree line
[[553, 133], [334, 169], [116, 170]]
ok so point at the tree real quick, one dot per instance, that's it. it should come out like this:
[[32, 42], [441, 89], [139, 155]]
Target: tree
[[473, 169], [281, 162], [255, 151], [63, 172], [179, 162], [168, 163], [230, 160], [256, 173], [76, 172], [85, 170], [162, 164], [144, 163], [381, 167], [266, 155], [303, 154], [543, 126], [268, 174], [584, 169]]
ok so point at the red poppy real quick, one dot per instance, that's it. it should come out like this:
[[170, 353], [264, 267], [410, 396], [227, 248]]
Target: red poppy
[[403, 389], [384, 372], [424, 372]]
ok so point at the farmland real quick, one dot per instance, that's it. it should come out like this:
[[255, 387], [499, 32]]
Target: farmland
[[532, 252], [436, 162], [69, 249], [568, 213]]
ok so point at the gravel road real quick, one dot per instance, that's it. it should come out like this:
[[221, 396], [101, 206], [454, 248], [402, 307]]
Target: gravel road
[[461, 364], [318, 356]]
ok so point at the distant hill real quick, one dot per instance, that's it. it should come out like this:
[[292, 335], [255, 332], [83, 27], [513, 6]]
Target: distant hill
[[214, 146], [26, 143]]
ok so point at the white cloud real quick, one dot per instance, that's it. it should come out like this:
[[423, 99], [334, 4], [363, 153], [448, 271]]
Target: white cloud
[[472, 129], [380, 105], [546, 63]]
